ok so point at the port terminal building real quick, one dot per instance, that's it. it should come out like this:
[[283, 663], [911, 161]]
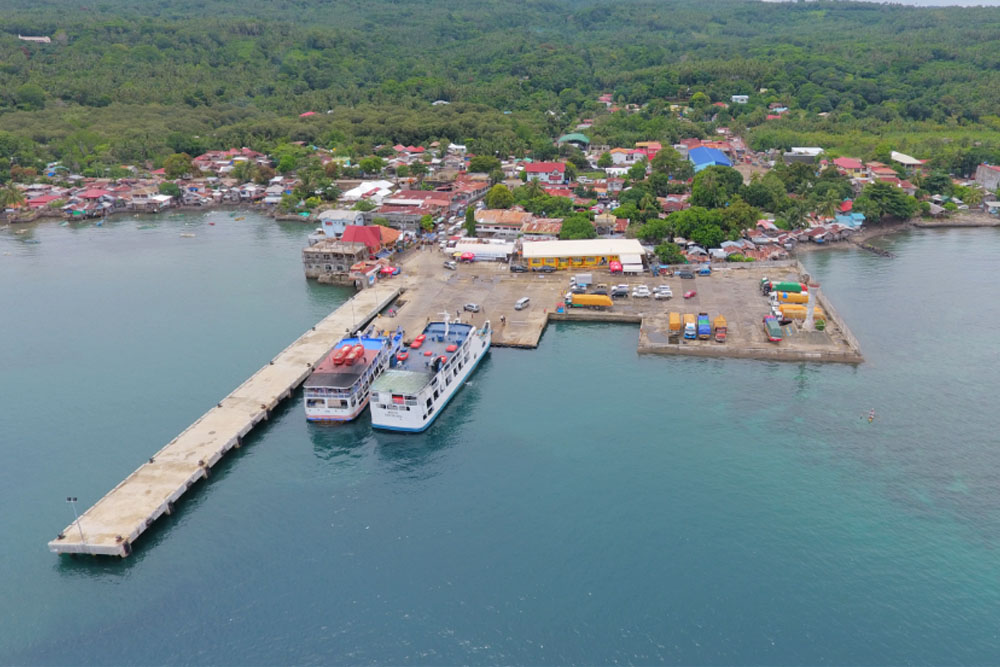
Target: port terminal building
[[583, 253]]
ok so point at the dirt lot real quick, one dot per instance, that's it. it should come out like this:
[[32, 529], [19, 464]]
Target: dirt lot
[[731, 291]]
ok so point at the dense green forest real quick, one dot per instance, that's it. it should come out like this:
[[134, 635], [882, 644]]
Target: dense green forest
[[131, 80]]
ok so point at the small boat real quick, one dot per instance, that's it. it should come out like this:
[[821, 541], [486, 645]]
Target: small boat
[[187, 236], [241, 218]]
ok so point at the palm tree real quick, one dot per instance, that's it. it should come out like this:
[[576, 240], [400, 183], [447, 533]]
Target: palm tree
[[974, 197], [10, 197], [828, 205]]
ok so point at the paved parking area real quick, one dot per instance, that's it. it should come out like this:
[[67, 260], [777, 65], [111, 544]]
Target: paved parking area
[[732, 291]]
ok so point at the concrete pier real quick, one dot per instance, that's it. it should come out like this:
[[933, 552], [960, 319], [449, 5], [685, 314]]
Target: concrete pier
[[112, 525]]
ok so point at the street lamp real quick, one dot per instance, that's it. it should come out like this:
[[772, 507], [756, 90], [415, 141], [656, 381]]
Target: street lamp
[[76, 517]]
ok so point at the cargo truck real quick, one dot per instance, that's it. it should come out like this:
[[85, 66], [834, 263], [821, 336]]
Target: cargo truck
[[772, 329], [675, 324], [595, 301], [796, 311], [720, 329], [789, 297], [690, 328], [704, 327], [767, 286]]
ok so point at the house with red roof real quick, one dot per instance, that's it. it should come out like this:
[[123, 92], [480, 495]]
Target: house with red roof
[[553, 173], [850, 167], [370, 235]]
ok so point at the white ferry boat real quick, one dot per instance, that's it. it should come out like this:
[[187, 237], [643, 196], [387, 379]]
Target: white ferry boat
[[410, 396], [338, 389]]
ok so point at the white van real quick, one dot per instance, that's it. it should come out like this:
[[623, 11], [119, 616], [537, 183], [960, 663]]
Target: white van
[[522, 303]]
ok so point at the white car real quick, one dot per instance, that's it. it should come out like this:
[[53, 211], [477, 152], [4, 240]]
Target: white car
[[663, 293], [641, 292]]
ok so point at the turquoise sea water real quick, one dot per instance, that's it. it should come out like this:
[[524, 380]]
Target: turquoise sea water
[[575, 504]]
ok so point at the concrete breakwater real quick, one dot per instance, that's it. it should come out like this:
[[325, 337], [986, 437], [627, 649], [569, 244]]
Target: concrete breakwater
[[113, 523]]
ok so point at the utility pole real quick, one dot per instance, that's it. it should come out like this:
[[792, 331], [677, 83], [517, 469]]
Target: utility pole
[[76, 518]]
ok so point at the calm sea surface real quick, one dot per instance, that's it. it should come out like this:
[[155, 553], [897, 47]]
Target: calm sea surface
[[574, 504]]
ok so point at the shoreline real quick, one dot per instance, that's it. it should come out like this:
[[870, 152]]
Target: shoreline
[[222, 206], [865, 234]]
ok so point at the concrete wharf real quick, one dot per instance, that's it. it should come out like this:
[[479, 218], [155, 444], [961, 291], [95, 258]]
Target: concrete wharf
[[112, 525]]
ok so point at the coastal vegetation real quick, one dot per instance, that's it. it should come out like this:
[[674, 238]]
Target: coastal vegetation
[[126, 82]]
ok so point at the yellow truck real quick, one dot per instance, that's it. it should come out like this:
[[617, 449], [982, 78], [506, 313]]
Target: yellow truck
[[595, 301], [720, 329], [675, 324], [797, 311]]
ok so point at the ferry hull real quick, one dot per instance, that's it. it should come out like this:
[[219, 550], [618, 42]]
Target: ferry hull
[[421, 429], [335, 418]]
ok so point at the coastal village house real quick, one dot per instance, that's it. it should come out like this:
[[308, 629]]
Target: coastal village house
[[552, 173], [334, 221], [988, 176], [332, 260], [501, 223]]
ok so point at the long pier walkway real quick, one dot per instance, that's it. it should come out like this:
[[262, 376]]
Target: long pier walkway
[[115, 521]]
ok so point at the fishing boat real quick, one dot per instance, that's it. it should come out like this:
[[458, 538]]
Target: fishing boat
[[427, 375], [337, 390]]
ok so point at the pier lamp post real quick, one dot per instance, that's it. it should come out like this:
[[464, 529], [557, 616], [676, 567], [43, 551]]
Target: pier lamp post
[[76, 517]]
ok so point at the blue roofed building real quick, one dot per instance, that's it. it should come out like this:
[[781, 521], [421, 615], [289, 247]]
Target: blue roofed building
[[852, 220], [702, 157]]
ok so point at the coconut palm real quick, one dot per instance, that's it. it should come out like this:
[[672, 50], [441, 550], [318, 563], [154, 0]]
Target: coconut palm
[[10, 197]]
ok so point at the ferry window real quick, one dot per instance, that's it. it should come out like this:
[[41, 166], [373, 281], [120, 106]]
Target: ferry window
[[343, 403], [435, 393], [429, 401], [316, 403]]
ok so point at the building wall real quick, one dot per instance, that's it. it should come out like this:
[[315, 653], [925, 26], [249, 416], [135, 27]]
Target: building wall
[[988, 178], [573, 262], [318, 263]]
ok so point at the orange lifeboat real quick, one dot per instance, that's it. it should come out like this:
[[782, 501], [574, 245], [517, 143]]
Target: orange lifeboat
[[338, 356], [402, 356], [451, 348], [421, 338], [415, 345], [354, 355], [428, 353]]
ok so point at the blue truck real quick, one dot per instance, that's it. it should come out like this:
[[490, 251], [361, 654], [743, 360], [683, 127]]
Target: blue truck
[[704, 326]]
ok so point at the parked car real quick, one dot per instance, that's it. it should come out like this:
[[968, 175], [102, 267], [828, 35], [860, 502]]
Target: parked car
[[663, 293], [641, 292], [451, 265], [690, 294], [472, 307], [619, 292], [518, 268], [599, 291], [544, 269], [685, 274], [578, 289], [522, 303]]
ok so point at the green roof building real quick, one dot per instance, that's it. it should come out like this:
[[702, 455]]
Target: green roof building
[[575, 138]]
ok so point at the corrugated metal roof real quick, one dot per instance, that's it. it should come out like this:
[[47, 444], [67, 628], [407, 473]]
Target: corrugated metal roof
[[582, 248]]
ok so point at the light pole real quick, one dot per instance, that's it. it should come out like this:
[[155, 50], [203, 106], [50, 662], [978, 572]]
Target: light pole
[[76, 517]]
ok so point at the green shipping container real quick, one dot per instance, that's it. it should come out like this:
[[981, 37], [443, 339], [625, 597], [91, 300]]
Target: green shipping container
[[786, 287]]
